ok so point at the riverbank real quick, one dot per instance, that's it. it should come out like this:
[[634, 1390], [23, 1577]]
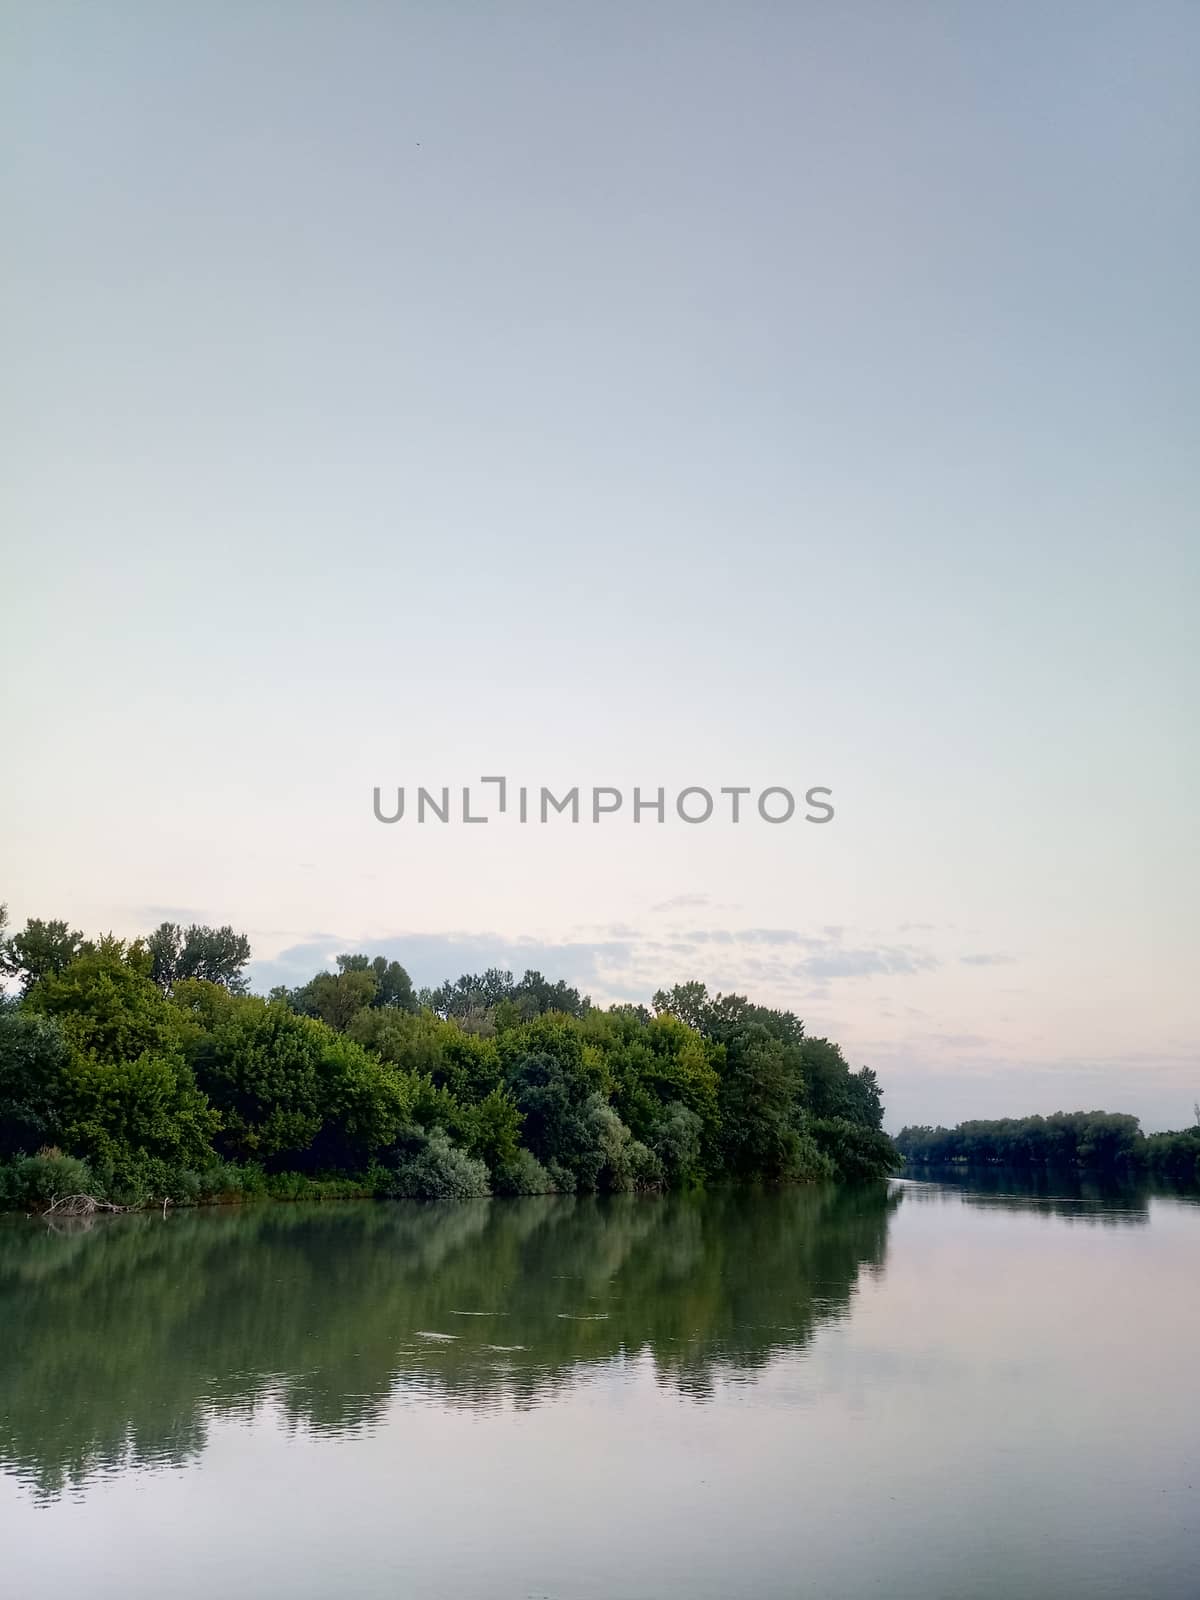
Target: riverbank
[[29, 1186]]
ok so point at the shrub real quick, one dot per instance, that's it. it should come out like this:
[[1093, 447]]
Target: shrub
[[619, 1161], [232, 1180], [135, 1178], [523, 1174], [299, 1186], [645, 1169], [809, 1163], [431, 1168], [188, 1188], [562, 1177], [30, 1183]]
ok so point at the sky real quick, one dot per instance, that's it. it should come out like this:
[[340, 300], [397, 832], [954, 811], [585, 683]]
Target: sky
[[655, 395]]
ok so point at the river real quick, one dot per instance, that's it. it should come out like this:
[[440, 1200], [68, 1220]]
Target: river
[[967, 1388]]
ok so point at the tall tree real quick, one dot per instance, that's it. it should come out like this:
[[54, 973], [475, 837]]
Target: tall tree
[[758, 1100], [393, 986], [217, 955], [43, 949], [33, 1060], [337, 998]]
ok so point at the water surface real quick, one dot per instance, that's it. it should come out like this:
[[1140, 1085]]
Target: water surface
[[956, 1388]]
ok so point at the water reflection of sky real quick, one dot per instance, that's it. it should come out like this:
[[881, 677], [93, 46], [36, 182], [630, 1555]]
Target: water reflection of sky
[[991, 1390]]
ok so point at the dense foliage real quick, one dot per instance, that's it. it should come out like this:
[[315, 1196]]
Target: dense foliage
[[1092, 1140], [145, 1070]]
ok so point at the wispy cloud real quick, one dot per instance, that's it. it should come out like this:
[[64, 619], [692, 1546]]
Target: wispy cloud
[[781, 963], [683, 902], [430, 958], [898, 961]]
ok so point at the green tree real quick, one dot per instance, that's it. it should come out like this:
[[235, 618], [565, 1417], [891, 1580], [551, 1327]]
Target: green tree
[[757, 1101], [413, 1043], [337, 998], [107, 1003], [688, 1001], [137, 1120], [833, 1091], [492, 1129], [214, 955], [128, 1100], [42, 950], [677, 1140], [293, 1092], [33, 1067], [1091, 1139], [653, 1063], [552, 1100], [393, 986], [855, 1151], [144, 1058]]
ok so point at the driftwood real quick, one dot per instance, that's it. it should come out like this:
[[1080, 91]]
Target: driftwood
[[80, 1205]]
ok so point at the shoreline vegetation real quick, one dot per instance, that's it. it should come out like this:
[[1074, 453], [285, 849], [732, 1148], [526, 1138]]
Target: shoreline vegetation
[[1085, 1141], [139, 1074]]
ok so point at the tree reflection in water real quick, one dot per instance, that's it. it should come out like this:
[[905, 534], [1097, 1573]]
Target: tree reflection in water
[[1089, 1198], [124, 1338]]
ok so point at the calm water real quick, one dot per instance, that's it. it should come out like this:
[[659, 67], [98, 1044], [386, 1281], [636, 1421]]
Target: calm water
[[937, 1390]]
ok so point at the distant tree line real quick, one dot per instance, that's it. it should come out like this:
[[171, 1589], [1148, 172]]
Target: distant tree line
[[145, 1070], [1091, 1140]]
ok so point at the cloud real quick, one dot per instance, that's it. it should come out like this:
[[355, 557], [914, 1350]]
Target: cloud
[[683, 902], [827, 957], [987, 958], [430, 958], [898, 961]]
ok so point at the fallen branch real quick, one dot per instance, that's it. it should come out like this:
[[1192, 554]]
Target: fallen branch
[[80, 1205]]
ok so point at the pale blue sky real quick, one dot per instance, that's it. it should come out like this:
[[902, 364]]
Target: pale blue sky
[[662, 394]]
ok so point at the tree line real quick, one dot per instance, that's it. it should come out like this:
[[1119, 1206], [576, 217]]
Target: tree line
[[1099, 1141], [145, 1071]]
